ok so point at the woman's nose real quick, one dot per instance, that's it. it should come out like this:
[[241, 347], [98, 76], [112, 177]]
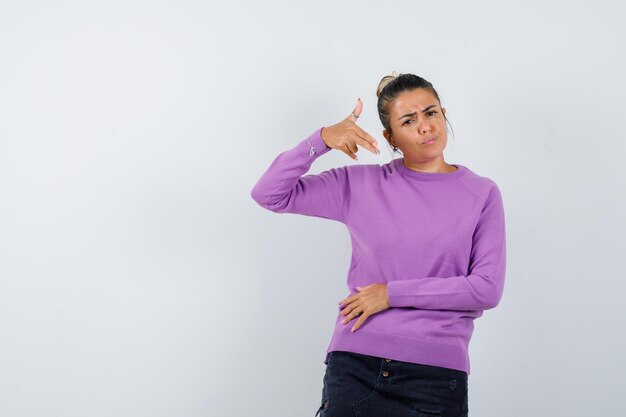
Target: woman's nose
[[424, 127]]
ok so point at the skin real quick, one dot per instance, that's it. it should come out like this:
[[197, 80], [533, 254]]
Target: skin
[[370, 300], [409, 134], [346, 135]]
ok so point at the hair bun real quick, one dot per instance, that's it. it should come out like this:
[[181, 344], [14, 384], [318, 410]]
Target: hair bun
[[386, 80]]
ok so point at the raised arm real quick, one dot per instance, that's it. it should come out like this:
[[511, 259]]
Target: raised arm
[[283, 187]]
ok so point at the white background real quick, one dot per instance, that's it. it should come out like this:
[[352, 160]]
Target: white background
[[139, 278]]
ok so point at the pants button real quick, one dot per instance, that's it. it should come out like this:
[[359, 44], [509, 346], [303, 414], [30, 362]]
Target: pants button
[[386, 373], [387, 360]]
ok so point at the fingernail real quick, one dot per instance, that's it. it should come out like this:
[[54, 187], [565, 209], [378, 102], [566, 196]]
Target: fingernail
[[352, 330]]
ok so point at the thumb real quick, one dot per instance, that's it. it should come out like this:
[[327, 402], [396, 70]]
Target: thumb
[[357, 111]]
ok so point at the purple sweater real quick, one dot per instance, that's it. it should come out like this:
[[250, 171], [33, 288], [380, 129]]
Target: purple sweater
[[436, 239]]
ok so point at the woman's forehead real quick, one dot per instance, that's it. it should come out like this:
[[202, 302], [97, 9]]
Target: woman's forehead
[[418, 99]]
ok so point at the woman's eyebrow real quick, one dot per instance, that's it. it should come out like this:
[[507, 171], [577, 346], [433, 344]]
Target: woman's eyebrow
[[423, 111]]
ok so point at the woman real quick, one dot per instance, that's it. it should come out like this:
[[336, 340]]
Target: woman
[[428, 242]]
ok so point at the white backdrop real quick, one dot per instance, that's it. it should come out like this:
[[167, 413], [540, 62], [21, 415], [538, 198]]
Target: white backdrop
[[139, 278]]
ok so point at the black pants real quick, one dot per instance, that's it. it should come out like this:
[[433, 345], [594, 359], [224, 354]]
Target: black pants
[[369, 386]]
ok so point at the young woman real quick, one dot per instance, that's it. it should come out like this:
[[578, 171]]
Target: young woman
[[428, 242]]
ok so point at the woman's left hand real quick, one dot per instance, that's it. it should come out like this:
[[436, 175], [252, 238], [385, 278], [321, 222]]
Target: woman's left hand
[[370, 299]]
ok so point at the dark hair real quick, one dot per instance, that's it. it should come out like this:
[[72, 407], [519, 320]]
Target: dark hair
[[391, 86]]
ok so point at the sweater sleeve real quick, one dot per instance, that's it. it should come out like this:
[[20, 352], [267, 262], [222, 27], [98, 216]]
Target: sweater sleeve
[[283, 187], [480, 290]]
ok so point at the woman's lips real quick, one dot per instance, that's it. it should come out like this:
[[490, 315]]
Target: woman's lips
[[429, 141]]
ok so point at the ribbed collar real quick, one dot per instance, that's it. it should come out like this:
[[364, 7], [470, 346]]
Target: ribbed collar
[[428, 176]]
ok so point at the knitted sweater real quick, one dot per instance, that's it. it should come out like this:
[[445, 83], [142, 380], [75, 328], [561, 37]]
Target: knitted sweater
[[436, 239]]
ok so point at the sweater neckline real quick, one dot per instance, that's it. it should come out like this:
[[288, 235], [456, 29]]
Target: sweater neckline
[[428, 176]]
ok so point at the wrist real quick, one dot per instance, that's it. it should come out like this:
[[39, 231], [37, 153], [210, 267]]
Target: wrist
[[322, 136]]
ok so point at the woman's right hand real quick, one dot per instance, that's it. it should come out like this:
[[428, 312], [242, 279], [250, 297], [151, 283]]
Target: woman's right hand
[[345, 135]]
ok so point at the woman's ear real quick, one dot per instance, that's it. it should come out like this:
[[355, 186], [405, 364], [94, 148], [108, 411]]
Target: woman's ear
[[443, 110], [388, 137]]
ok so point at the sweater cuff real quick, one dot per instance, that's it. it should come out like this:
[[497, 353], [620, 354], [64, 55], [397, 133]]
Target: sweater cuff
[[316, 143], [395, 293]]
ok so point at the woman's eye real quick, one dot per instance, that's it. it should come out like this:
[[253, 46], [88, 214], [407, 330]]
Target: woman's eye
[[432, 113]]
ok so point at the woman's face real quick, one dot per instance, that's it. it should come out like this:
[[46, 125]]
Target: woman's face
[[415, 118]]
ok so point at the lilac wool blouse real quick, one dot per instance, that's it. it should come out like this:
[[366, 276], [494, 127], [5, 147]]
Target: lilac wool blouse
[[436, 239]]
